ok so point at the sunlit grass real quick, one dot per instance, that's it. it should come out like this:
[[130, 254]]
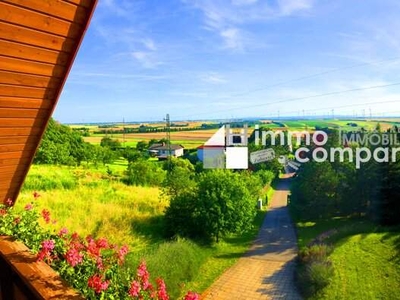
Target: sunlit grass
[[365, 258], [98, 204], [366, 266], [94, 204]]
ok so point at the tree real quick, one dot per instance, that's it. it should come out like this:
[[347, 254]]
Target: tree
[[110, 143], [180, 178], [145, 173], [220, 204], [141, 146], [131, 155], [60, 145]]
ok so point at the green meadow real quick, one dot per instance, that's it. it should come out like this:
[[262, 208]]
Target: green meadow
[[92, 201], [365, 258]]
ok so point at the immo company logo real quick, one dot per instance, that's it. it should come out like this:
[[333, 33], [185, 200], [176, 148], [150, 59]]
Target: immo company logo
[[227, 148]]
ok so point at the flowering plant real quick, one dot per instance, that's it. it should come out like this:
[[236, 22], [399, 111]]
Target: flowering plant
[[95, 267]]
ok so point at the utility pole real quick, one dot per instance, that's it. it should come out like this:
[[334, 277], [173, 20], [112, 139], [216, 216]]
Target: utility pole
[[123, 131], [168, 132]]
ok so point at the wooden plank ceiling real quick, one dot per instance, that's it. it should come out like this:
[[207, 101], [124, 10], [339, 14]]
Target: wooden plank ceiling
[[38, 43]]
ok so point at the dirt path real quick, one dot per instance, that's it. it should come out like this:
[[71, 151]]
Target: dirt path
[[266, 270]]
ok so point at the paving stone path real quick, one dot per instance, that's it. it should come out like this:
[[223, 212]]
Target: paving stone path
[[266, 270]]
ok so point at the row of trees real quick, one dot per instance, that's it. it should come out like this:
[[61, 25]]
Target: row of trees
[[325, 189]]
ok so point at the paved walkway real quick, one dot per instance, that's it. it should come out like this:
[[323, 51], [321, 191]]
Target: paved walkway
[[266, 270]]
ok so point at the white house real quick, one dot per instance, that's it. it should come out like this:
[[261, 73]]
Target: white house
[[161, 150]]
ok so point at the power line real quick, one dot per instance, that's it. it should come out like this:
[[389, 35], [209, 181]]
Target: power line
[[345, 106], [302, 98], [314, 75]]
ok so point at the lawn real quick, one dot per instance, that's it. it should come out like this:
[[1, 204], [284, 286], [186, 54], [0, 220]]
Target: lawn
[[365, 258], [91, 201], [366, 267]]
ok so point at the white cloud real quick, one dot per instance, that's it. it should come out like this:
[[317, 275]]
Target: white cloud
[[232, 38], [149, 44], [243, 2], [146, 59], [228, 18], [289, 7], [213, 78]]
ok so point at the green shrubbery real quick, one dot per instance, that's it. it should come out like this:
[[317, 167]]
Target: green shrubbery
[[145, 173], [220, 203], [315, 269], [177, 261]]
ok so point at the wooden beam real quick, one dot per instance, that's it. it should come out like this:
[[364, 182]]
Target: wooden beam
[[18, 50], [12, 132], [18, 102], [30, 67], [12, 140], [55, 8], [15, 147], [19, 122], [32, 37], [37, 21], [26, 92]]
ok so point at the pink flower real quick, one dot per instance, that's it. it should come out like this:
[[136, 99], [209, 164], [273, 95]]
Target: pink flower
[[3, 212], [48, 245], [162, 290], [122, 253], [75, 236], [99, 264], [142, 270], [46, 215], [9, 202], [36, 195], [144, 276], [102, 243], [134, 290], [73, 257], [192, 296], [63, 231], [17, 220], [92, 248], [45, 251], [97, 284], [28, 207]]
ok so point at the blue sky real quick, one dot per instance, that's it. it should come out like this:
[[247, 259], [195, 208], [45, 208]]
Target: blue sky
[[207, 59]]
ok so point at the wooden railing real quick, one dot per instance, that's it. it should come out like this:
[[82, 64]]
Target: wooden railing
[[22, 277]]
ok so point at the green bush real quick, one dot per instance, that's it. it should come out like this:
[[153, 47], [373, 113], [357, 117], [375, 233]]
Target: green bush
[[314, 270], [314, 277], [314, 253], [178, 262], [144, 173], [221, 203], [266, 176]]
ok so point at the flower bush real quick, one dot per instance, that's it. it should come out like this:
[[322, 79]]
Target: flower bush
[[95, 267]]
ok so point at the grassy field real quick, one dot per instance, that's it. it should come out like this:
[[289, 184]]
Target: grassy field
[[366, 267], [343, 124], [195, 138], [188, 139], [89, 201], [365, 258]]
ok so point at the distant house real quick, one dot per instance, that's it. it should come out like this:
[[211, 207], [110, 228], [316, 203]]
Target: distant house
[[161, 150]]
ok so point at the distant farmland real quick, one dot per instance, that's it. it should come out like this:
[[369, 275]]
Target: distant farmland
[[192, 139]]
